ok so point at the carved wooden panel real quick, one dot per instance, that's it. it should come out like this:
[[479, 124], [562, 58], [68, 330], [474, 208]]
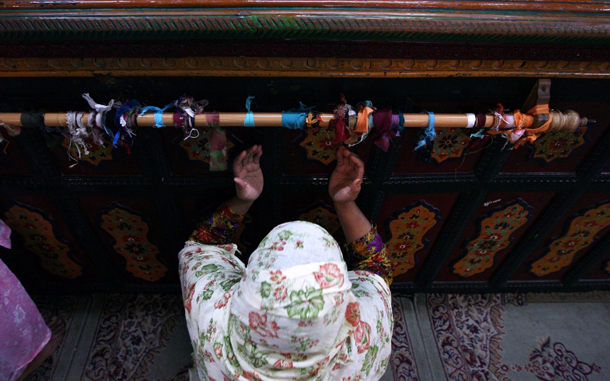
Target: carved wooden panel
[[44, 247], [129, 230], [573, 237], [499, 223], [409, 225]]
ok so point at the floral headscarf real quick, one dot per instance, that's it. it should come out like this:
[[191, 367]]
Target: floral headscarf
[[291, 315]]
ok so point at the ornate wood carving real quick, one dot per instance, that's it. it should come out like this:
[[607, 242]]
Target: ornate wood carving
[[298, 67], [432, 21]]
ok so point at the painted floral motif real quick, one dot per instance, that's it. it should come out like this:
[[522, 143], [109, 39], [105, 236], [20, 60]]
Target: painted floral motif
[[323, 215], [581, 233], [407, 230], [37, 230], [97, 153], [553, 361], [199, 148], [495, 235], [131, 236], [320, 144], [468, 330], [449, 143], [557, 145]]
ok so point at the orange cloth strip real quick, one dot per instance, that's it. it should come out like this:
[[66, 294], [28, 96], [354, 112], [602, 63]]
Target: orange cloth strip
[[362, 125]]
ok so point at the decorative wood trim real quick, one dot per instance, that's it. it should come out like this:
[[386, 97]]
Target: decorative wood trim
[[429, 24], [396, 183], [548, 6], [305, 48], [298, 67]]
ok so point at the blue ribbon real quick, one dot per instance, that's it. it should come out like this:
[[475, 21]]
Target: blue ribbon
[[480, 134], [117, 123], [249, 119], [429, 133], [158, 113], [294, 118], [401, 121]]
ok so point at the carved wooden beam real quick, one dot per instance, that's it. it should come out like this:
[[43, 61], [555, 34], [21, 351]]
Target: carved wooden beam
[[298, 67], [586, 6], [492, 21]]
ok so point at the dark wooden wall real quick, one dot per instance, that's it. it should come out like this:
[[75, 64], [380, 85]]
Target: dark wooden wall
[[164, 190], [115, 222]]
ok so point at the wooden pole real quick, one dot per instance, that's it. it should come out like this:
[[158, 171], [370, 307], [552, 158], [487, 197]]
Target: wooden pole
[[261, 119]]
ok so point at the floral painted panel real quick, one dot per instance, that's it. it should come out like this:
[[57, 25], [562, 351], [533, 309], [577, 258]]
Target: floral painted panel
[[407, 230], [558, 145], [198, 148], [323, 215], [131, 235], [37, 230], [495, 235], [449, 143], [320, 144], [581, 233], [97, 153]]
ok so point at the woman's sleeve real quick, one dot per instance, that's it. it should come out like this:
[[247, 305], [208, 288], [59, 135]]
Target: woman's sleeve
[[369, 253], [218, 228]]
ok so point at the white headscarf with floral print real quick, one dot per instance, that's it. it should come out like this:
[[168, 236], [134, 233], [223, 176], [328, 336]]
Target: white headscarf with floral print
[[288, 314]]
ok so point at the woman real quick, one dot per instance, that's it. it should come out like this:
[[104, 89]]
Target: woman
[[25, 340], [295, 311]]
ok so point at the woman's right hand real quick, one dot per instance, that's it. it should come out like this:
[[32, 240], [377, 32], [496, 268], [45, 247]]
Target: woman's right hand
[[346, 180], [248, 174]]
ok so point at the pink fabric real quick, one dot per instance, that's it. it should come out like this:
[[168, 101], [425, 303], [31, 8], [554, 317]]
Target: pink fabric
[[23, 332], [5, 235]]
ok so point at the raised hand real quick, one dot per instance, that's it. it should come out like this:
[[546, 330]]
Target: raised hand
[[248, 175], [345, 181]]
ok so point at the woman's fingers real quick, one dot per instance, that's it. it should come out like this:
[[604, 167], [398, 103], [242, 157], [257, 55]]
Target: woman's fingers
[[257, 154], [238, 162], [340, 156], [249, 155], [358, 166], [239, 182]]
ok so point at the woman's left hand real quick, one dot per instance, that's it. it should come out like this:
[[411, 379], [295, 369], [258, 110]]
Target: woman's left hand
[[248, 174]]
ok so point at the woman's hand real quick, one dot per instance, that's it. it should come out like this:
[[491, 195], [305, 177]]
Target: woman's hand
[[248, 175], [345, 181]]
